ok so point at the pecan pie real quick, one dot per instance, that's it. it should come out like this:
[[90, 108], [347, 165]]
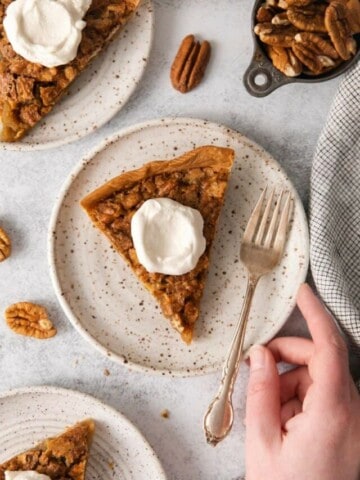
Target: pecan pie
[[28, 91], [61, 458], [197, 179]]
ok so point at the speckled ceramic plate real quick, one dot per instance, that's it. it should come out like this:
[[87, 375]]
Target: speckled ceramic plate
[[27, 416], [110, 308], [100, 91]]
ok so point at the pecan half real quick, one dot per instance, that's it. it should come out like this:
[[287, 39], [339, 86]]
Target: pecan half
[[5, 245], [338, 27], [285, 61], [277, 35], [265, 13], [294, 3], [280, 19], [313, 61], [29, 319], [318, 44], [309, 19], [190, 63], [353, 15]]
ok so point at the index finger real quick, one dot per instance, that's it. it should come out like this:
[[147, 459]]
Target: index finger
[[329, 364]]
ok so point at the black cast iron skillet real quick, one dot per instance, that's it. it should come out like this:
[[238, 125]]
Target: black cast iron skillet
[[262, 78]]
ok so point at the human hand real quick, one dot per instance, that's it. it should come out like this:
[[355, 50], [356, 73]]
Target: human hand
[[305, 423]]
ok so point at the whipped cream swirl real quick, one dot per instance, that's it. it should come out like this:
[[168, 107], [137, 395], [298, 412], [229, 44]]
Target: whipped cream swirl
[[168, 236], [47, 32]]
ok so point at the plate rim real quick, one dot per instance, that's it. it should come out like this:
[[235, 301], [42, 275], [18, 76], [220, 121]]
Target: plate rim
[[123, 132], [34, 147], [14, 392]]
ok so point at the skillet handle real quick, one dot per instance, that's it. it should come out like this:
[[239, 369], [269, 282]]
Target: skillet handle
[[261, 77]]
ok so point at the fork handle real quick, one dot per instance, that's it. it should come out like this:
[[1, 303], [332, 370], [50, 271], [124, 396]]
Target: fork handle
[[219, 416]]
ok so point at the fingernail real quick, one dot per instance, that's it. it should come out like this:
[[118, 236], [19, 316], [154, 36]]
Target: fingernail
[[257, 357]]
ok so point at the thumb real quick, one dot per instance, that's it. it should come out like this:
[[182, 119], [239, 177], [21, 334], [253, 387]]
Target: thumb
[[263, 422]]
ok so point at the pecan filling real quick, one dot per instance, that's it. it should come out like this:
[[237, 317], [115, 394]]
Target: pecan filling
[[196, 189]]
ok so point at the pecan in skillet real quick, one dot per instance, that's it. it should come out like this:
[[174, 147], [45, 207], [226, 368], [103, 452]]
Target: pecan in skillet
[[338, 27], [29, 319], [276, 35], [265, 13], [294, 3], [318, 34], [309, 19], [315, 63], [190, 63], [280, 19], [5, 245], [285, 60]]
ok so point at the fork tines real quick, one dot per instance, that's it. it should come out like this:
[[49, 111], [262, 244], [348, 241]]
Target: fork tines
[[268, 222]]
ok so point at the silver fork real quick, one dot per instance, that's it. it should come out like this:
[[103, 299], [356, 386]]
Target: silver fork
[[261, 249]]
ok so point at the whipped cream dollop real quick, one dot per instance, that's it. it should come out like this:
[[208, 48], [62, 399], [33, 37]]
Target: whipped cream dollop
[[167, 236], [47, 32], [26, 475]]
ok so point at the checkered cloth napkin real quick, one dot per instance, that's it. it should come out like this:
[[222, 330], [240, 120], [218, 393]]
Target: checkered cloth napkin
[[335, 212]]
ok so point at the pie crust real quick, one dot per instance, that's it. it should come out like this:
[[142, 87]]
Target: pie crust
[[197, 179], [29, 91], [61, 458]]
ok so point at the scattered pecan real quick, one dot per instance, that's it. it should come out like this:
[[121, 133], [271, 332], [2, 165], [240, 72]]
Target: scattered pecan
[[190, 63], [285, 61], [309, 19], [338, 27], [29, 319], [277, 35], [5, 245], [165, 413]]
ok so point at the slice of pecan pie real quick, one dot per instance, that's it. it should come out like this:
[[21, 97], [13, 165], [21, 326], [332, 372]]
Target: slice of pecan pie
[[197, 179], [28, 91], [61, 458]]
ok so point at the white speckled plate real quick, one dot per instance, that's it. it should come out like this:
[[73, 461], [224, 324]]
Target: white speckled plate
[[29, 415], [100, 91], [110, 308]]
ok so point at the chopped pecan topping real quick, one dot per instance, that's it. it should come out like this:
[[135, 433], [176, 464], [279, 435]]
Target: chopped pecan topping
[[338, 26], [277, 35], [285, 61], [190, 63], [25, 88], [309, 19], [29, 319], [5, 245]]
